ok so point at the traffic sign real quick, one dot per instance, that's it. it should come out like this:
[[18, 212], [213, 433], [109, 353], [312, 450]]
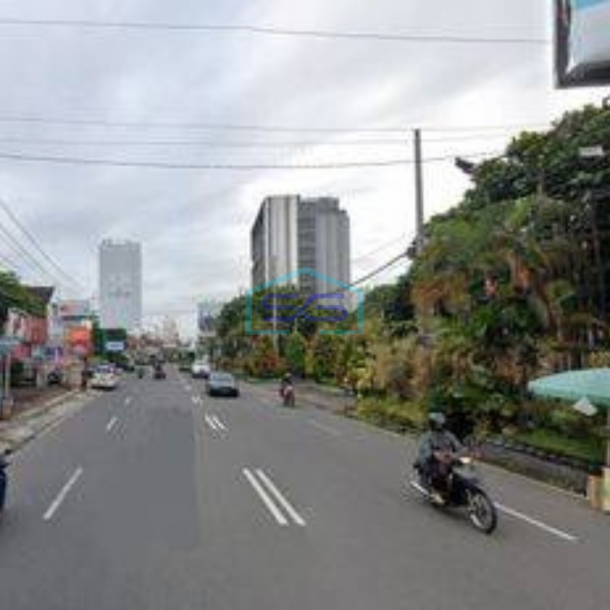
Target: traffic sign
[[115, 346]]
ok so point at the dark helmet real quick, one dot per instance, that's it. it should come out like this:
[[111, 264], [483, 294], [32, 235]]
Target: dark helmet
[[437, 421]]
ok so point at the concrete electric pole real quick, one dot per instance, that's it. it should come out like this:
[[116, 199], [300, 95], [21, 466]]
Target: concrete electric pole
[[419, 190]]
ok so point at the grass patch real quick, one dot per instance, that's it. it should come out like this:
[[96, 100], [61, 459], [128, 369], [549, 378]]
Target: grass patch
[[589, 449], [391, 414]]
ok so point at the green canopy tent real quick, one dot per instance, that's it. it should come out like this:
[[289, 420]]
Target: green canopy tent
[[592, 384]]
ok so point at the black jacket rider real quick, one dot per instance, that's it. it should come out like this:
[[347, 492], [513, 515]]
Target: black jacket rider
[[437, 439]]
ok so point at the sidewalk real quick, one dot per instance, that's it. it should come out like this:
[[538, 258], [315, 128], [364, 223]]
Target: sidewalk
[[42, 410], [28, 398]]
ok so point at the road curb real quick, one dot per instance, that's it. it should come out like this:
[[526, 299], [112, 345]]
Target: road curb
[[28, 426]]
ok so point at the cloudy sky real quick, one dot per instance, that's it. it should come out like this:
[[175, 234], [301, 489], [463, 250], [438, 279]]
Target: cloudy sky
[[194, 224]]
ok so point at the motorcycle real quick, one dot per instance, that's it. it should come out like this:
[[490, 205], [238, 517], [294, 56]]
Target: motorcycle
[[463, 489], [287, 395], [3, 481]]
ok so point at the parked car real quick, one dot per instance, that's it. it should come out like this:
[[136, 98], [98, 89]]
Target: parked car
[[184, 366], [104, 378], [55, 377], [200, 370], [221, 384], [159, 372]]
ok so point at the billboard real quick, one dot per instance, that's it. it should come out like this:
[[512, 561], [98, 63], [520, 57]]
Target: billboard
[[74, 309], [115, 346], [207, 314], [80, 340], [582, 43]]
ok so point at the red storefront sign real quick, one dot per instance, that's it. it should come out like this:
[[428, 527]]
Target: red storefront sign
[[80, 340]]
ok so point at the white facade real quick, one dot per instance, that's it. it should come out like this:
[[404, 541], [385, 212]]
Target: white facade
[[120, 284], [330, 240], [274, 239]]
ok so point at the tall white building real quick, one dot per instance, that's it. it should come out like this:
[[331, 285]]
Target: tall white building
[[324, 241], [291, 232], [120, 284], [274, 239]]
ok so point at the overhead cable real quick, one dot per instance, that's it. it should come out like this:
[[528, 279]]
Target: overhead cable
[[273, 30]]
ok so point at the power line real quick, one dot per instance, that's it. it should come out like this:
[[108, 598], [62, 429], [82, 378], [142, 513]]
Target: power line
[[273, 31], [26, 258], [37, 245], [463, 138], [23, 254], [379, 270], [286, 144], [168, 165], [202, 143], [391, 268], [378, 249], [9, 263], [222, 126]]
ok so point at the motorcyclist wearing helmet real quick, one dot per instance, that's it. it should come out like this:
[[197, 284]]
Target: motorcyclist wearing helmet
[[287, 389], [287, 381], [435, 446]]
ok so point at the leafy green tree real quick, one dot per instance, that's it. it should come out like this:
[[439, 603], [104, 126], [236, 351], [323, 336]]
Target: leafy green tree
[[322, 357], [296, 352], [263, 360], [14, 295]]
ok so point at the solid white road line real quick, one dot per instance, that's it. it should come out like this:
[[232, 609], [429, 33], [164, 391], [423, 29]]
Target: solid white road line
[[61, 496], [536, 523], [111, 424], [290, 510], [267, 501], [324, 428]]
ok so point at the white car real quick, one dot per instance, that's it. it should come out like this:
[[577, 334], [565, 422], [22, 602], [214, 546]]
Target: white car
[[200, 370], [104, 378]]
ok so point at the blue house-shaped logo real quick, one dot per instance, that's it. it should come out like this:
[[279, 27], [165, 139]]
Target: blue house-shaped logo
[[343, 295]]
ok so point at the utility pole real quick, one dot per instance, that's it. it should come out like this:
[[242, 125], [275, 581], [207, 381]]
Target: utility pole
[[276, 346], [591, 199], [7, 399], [599, 260], [419, 190]]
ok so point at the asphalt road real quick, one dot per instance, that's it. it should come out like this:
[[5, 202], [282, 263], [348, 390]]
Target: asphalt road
[[157, 497]]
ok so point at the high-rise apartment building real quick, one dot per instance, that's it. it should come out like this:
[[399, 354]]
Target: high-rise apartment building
[[324, 241], [274, 244], [120, 284], [291, 232]]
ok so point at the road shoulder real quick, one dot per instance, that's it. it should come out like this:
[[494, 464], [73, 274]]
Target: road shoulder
[[23, 428]]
